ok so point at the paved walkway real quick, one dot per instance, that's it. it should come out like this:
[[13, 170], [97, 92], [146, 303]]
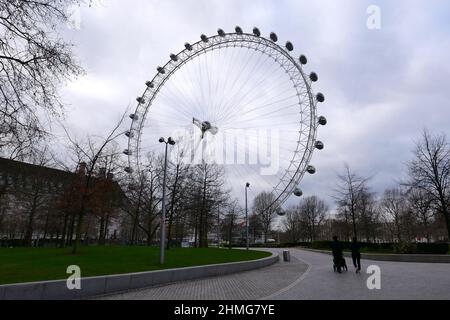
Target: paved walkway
[[309, 275], [399, 280], [255, 284]]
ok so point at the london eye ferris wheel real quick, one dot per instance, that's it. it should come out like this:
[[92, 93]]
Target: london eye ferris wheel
[[240, 93]]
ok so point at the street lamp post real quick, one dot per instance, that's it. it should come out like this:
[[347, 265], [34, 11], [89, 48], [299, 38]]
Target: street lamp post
[[163, 215], [218, 226], [247, 185]]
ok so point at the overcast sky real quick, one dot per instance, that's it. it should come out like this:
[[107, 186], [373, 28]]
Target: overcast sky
[[382, 87]]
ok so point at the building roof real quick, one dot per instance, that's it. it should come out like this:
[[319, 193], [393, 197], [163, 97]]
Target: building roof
[[28, 169], [18, 168]]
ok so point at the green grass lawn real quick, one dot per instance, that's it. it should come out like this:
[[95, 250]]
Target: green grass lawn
[[36, 264]]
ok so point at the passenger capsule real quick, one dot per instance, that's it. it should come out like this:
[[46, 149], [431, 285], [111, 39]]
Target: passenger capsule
[[256, 32], [322, 120], [319, 145], [298, 192], [204, 38], [320, 97], [134, 116], [289, 46], [281, 212], [127, 152], [313, 76], [173, 57], [303, 59], [188, 46], [238, 30], [311, 169], [140, 100], [161, 70], [273, 37], [149, 84], [220, 32]]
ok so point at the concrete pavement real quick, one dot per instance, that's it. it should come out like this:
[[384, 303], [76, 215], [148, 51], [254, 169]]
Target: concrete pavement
[[310, 275], [399, 280], [255, 284]]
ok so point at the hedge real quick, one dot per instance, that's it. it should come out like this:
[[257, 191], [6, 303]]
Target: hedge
[[406, 248]]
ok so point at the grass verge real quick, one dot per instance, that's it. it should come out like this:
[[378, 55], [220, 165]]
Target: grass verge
[[38, 264]]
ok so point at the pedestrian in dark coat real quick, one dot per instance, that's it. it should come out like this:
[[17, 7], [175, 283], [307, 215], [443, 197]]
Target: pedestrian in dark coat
[[356, 254], [338, 256]]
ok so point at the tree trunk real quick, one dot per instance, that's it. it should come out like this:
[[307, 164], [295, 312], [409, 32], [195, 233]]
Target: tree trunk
[[149, 228], [84, 200], [2, 215], [195, 232], [347, 233], [46, 227], [30, 225], [79, 225], [446, 213], [78, 233], [354, 225], [69, 235], [86, 232], [230, 235], [106, 230], [398, 231], [101, 233], [172, 205], [203, 234]]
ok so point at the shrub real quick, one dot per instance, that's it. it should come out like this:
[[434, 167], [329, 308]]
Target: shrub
[[377, 247], [321, 245], [432, 248], [405, 247], [286, 244], [304, 244], [400, 248]]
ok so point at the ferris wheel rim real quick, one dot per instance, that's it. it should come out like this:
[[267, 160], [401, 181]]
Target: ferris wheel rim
[[219, 41]]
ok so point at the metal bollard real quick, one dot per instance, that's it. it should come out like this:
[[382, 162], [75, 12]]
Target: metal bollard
[[286, 255]]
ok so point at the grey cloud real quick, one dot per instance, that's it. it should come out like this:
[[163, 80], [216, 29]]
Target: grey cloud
[[382, 87]]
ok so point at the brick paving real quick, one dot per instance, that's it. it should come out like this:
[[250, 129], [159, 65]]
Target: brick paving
[[310, 275], [255, 284]]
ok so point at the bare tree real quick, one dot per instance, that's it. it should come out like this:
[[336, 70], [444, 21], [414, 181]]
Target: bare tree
[[229, 222], [176, 183], [347, 195], [206, 192], [430, 171], [34, 61], [90, 154], [292, 224], [394, 207], [368, 215], [265, 212], [106, 198], [255, 226], [312, 212], [143, 194], [421, 204], [35, 196]]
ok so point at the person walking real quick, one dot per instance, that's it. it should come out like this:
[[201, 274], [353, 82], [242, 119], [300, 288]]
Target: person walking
[[336, 249], [356, 254]]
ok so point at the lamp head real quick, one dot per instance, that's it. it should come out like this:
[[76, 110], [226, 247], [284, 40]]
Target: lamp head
[[247, 184], [171, 141], [161, 140]]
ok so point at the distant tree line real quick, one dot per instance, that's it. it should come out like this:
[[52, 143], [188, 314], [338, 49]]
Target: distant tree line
[[100, 203], [416, 209]]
